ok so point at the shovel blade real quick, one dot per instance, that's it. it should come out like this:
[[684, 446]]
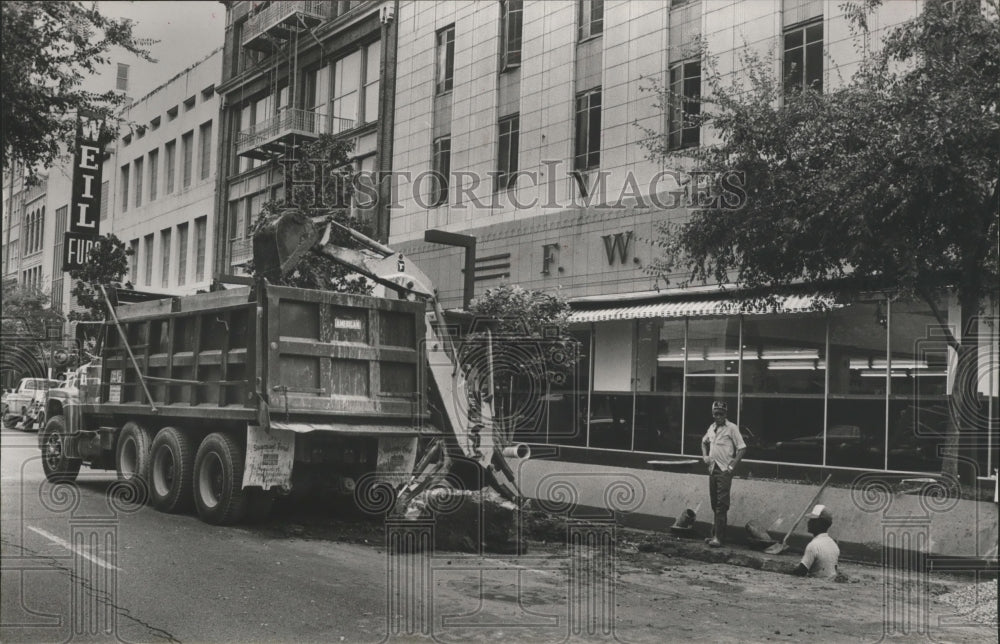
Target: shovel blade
[[278, 246], [776, 549]]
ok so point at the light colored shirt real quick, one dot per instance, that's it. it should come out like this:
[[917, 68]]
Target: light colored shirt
[[821, 557], [723, 442]]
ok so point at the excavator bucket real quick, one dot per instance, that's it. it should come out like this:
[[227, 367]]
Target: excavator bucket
[[279, 245]]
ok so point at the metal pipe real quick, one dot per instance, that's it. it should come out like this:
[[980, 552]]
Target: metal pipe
[[519, 451]]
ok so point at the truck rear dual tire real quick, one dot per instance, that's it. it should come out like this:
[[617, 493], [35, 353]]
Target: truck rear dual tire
[[132, 453], [171, 470], [218, 480], [57, 466]]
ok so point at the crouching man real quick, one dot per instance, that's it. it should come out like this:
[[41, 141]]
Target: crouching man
[[822, 553]]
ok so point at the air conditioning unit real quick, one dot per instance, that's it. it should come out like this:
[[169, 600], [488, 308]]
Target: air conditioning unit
[[388, 13]]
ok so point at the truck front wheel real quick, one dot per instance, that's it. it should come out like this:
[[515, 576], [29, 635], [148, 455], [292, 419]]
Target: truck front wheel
[[58, 467], [218, 480], [171, 467], [132, 452]]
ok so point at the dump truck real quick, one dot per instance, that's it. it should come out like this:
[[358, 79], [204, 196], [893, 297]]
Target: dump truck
[[223, 400]]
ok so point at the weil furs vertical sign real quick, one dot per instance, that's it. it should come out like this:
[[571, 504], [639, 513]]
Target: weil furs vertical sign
[[83, 226]]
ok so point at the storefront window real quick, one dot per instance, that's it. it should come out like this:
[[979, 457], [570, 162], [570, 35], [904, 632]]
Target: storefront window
[[712, 373], [660, 386], [611, 421], [855, 430], [918, 397], [784, 380], [567, 399]]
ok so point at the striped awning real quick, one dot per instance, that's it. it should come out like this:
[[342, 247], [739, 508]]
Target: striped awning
[[706, 308]]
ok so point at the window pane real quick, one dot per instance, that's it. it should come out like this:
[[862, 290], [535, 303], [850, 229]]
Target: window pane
[[713, 346], [568, 399], [856, 405], [814, 66], [611, 421], [784, 379], [793, 69], [793, 39]]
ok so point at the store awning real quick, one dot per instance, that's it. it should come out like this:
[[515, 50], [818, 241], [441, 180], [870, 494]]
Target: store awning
[[707, 307]]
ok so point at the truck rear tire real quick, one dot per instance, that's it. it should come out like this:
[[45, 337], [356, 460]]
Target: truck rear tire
[[132, 452], [218, 480], [57, 466], [171, 470]]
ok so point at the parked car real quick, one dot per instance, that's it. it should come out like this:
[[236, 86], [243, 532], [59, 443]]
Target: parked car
[[23, 406]]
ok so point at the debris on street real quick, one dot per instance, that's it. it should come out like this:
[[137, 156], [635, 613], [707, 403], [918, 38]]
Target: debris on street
[[977, 602]]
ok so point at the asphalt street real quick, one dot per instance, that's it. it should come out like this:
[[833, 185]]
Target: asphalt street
[[83, 563]]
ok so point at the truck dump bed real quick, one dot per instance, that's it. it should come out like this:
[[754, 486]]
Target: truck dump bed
[[320, 360]]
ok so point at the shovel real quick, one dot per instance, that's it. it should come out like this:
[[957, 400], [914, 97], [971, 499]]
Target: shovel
[[779, 548]]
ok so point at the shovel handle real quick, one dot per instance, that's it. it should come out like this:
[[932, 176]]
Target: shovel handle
[[806, 509]]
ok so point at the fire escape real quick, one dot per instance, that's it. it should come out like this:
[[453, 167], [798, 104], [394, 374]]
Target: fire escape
[[275, 27]]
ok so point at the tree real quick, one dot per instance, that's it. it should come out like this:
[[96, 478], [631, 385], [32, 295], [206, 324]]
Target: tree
[[107, 265], [49, 48], [27, 312], [889, 182], [325, 188], [520, 338]]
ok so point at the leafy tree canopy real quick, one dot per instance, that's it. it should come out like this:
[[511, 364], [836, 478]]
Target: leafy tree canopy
[[107, 265], [888, 181], [27, 312], [49, 48], [325, 188]]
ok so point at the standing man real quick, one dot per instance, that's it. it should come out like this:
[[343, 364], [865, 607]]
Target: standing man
[[722, 449]]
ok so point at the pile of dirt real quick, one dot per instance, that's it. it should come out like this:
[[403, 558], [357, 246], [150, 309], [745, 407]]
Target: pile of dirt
[[977, 602], [468, 520]]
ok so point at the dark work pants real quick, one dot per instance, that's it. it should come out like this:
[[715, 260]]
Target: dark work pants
[[719, 485]]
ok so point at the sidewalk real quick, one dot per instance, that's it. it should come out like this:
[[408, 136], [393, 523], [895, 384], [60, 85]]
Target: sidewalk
[[871, 522]]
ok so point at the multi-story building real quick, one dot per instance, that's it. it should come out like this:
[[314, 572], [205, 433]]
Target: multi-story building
[[160, 182], [293, 71], [520, 123]]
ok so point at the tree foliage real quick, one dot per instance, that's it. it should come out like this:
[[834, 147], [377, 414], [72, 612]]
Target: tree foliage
[[890, 180], [49, 48], [107, 265], [887, 182], [324, 188], [28, 312], [522, 337]]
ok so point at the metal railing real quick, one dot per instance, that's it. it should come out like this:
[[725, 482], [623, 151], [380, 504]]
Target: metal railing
[[289, 121], [279, 12]]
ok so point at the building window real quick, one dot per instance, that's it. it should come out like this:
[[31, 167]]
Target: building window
[[442, 170], [685, 90], [508, 149], [445, 59], [182, 251], [34, 227], [124, 184], [105, 199], [346, 87], [165, 256], [154, 173], [200, 242], [315, 96], [205, 151], [133, 263], [187, 157], [121, 79], [147, 249], [804, 57], [170, 159], [137, 171], [373, 57], [510, 39], [587, 153], [591, 18]]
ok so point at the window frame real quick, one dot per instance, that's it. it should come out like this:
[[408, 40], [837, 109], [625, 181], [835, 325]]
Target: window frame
[[680, 105], [511, 21], [587, 25], [441, 164], [507, 155], [584, 129], [804, 46], [444, 60]]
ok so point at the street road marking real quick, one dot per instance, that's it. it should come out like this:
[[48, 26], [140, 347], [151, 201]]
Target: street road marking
[[66, 544]]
